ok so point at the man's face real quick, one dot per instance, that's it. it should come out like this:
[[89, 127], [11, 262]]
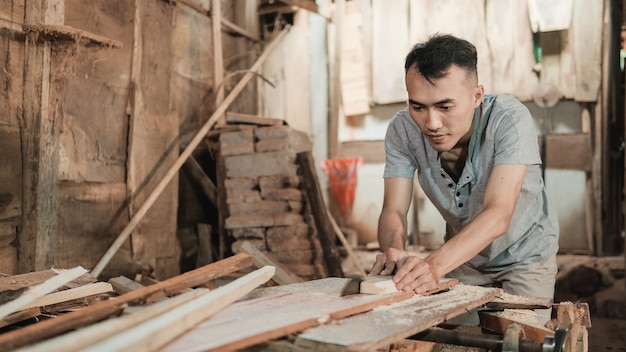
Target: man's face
[[443, 111]]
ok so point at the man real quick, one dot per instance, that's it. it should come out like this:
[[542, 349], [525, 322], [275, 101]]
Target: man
[[477, 159]]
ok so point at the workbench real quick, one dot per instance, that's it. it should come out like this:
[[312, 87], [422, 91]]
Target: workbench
[[316, 317]]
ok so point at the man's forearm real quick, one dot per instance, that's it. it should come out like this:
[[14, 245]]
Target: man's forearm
[[391, 232]]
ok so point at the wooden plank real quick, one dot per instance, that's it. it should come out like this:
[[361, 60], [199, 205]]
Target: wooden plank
[[587, 21], [325, 231], [578, 156], [282, 276], [510, 301], [524, 76], [238, 30], [55, 33], [35, 292], [101, 310], [20, 316], [239, 118], [501, 36], [197, 174], [122, 285], [369, 151], [330, 286], [530, 322], [381, 327], [153, 333], [169, 175], [251, 322], [71, 294], [23, 281], [334, 79], [83, 338], [355, 98], [218, 54], [383, 284]]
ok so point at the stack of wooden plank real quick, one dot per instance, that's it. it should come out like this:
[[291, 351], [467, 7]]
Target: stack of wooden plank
[[68, 310]]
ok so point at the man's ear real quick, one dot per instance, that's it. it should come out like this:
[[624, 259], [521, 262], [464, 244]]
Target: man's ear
[[478, 95]]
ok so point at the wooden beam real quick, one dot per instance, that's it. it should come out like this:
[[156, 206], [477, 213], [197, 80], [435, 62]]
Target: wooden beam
[[531, 323], [238, 30], [169, 175], [218, 54], [238, 118], [152, 334], [369, 151], [71, 294], [40, 151], [82, 339], [61, 33], [325, 231], [122, 285], [104, 309], [196, 172], [20, 316], [335, 82]]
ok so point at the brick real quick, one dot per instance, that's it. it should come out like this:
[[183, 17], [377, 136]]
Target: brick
[[286, 219], [295, 207], [282, 194], [262, 207], [279, 181], [305, 271], [237, 149], [243, 196], [240, 183], [271, 132], [295, 256], [236, 137], [248, 233], [270, 145], [296, 230], [258, 244], [289, 238], [297, 141], [260, 164]]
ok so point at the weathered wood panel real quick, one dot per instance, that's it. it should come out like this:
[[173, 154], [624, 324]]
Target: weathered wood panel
[[153, 144], [454, 17]]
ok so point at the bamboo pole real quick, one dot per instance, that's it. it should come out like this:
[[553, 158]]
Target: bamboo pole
[[221, 109]]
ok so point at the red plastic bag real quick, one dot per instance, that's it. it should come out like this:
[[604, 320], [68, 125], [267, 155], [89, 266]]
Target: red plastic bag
[[342, 175]]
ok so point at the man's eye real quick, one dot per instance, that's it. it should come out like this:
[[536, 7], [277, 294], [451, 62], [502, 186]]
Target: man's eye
[[418, 108], [445, 107]]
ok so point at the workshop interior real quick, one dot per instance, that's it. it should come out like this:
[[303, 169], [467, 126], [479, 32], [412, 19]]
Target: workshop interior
[[208, 175]]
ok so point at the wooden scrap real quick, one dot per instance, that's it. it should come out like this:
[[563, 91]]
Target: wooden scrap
[[383, 284], [385, 325], [325, 231], [531, 323], [83, 338], [196, 172], [250, 322], [71, 294], [20, 316], [260, 259], [35, 292], [122, 284], [70, 34], [507, 300], [152, 334], [239, 118], [102, 310], [26, 280]]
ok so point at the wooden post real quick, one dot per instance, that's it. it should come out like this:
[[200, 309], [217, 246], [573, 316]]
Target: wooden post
[[40, 152], [325, 231], [335, 82]]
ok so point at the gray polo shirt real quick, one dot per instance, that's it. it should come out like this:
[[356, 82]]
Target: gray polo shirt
[[504, 133]]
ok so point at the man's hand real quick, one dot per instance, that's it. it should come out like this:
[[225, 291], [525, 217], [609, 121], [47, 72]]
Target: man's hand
[[411, 272]]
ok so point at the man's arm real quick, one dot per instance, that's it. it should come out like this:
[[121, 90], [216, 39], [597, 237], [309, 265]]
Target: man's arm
[[501, 194], [392, 228]]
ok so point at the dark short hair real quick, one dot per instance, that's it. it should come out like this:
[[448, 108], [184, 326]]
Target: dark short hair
[[434, 57]]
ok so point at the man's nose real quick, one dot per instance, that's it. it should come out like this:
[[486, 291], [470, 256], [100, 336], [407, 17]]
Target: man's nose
[[433, 120]]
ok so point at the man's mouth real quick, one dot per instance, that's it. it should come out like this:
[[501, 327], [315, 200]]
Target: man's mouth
[[437, 138]]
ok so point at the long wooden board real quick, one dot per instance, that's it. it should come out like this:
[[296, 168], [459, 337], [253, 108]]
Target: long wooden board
[[385, 325], [251, 322]]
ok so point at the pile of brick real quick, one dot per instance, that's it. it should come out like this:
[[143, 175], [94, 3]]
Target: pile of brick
[[265, 205]]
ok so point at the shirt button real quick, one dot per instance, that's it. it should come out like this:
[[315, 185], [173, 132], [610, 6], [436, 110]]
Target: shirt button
[[458, 194], [443, 175], [460, 205], [450, 185]]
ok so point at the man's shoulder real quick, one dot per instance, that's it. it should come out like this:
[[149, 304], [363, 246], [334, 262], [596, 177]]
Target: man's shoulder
[[501, 100]]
